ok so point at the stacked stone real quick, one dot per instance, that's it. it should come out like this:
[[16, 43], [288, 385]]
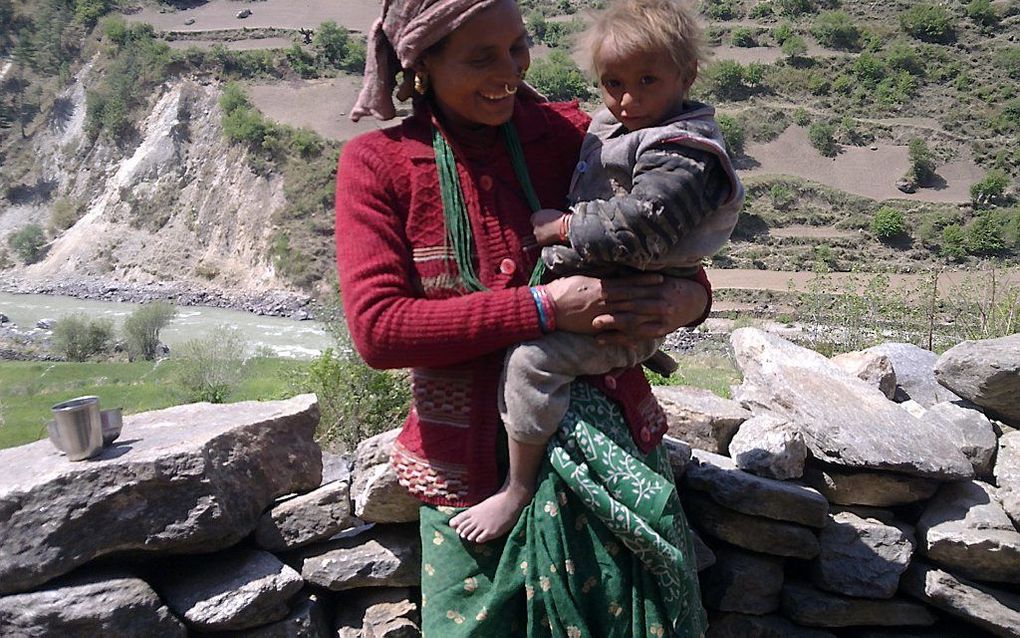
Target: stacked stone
[[201, 519], [873, 494]]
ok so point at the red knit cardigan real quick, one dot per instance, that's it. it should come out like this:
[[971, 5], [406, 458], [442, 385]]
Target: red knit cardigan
[[406, 309]]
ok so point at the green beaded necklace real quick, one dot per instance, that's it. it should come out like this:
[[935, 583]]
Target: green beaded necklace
[[458, 226]]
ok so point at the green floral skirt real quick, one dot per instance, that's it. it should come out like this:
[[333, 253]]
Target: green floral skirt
[[602, 550]]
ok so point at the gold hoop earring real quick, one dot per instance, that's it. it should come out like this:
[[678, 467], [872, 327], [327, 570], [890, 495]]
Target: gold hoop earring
[[421, 83]]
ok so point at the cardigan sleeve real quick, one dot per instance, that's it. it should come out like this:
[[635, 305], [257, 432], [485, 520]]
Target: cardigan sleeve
[[391, 324]]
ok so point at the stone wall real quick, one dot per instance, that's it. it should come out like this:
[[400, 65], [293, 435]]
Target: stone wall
[[857, 496]]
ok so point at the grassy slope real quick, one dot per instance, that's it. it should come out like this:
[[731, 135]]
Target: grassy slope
[[28, 389]]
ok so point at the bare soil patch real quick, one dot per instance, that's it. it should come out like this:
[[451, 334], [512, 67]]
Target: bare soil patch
[[859, 170], [949, 282], [356, 15], [234, 45], [813, 232], [320, 105]]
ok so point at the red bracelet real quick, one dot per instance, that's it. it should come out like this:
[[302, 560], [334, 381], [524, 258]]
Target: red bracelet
[[546, 308], [565, 228]]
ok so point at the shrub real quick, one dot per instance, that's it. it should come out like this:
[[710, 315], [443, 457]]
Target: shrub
[[801, 117], [887, 223], [990, 189], [28, 243], [982, 13], [558, 78], [794, 47], [929, 23], [953, 243], [331, 42], [1008, 60], [743, 37], [725, 78], [922, 164], [783, 196], [88, 11], [536, 24], [80, 339], [733, 133], [65, 213], [792, 7], [984, 236], [902, 57], [761, 10], [783, 32], [142, 328], [721, 9], [209, 369], [868, 69], [836, 30], [821, 136]]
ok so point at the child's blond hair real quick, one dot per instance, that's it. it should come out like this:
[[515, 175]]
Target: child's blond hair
[[631, 26]]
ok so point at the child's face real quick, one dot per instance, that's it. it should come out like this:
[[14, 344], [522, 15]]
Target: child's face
[[641, 88]]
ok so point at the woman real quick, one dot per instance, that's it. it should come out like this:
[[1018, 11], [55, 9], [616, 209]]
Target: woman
[[435, 249]]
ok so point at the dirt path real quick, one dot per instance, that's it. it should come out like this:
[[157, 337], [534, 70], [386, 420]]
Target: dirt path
[[814, 232], [356, 15], [858, 170], [234, 45], [800, 281]]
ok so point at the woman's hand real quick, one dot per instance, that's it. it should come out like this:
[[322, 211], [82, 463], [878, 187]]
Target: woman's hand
[[548, 225], [626, 309]]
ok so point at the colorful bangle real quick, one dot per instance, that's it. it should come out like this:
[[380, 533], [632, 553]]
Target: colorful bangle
[[545, 307]]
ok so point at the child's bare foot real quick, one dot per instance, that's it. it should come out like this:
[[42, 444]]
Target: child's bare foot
[[494, 516]]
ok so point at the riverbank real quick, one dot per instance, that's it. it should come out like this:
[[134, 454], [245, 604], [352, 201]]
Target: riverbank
[[270, 303]]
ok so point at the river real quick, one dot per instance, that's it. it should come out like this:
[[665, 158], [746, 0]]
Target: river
[[286, 337]]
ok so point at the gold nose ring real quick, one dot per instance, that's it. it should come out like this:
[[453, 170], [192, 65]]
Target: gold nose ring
[[509, 91]]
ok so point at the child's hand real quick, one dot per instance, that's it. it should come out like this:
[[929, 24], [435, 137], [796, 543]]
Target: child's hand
[[549, 226]]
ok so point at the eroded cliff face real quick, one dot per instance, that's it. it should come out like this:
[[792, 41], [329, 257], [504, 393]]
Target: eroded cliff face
[[181, 206]]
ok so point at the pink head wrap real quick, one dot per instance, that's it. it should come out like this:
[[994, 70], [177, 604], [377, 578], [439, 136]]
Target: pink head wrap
[[405, 30]]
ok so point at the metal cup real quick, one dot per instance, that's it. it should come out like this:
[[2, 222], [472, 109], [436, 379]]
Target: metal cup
[[113, 421], [77, 428]]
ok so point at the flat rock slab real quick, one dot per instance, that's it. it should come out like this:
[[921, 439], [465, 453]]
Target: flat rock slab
[[874, 489], [915, 373], [305, 519], [769, 446], [380, 612], [757, 534], [744, 492], [995, 611], [378, 496], [380, 556], [844, 421], [103, 603], [700, 417], [744, 582], [308, 618], [969, 430], [194, 478], [747, 626], [1007, 475], [862, 557], [965, 529], [808, 606], [232, 590], [986, 373]]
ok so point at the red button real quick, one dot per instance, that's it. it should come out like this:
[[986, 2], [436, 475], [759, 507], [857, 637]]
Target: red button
[[646, 436], [610, 381], [485, 182], [507, 266]]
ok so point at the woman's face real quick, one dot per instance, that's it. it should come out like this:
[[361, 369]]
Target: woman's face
[[471, 74]]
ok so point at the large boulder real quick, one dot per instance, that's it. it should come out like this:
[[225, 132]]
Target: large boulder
[[995, 611], [700, 417], [844, 420], [378, 497], [189, 479], [969, 430], [232, 590], [375, 556], [808, 606], [872, 368], [986, 373], [1007, 475], [862, 557], [769, 446], [874, 489], [103, 603], [915, 373], [744, 492], [965, 530]]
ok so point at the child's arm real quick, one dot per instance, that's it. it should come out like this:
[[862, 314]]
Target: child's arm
[[674, 187], [551, 226]]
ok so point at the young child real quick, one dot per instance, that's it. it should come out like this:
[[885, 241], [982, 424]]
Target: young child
[[653, 191]]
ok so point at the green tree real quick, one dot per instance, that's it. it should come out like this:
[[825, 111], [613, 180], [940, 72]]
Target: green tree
[[821, 135], [929, 23], [28, 243], [733, 133], [142, 328], [836, 30], [80, 339], [990, 189], [922, 164], [888, 223], [87, 12], [725, 78], [210, 368], [794, 47], [558, 78], [332, 43], [984, 236]]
